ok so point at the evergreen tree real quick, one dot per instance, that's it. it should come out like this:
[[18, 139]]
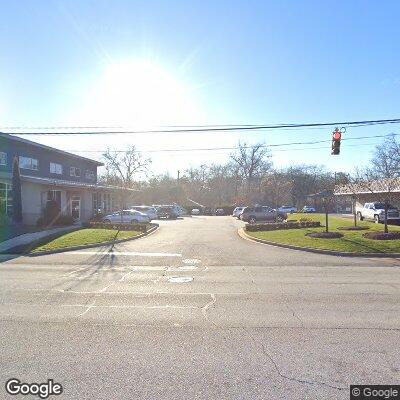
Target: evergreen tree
[[16, 192]]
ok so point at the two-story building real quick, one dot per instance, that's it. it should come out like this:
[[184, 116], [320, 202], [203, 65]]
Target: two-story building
[[51, 174]]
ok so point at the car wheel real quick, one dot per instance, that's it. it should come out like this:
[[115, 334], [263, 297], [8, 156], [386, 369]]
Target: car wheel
[[252, 220], [279, 218], [359, 216], [107, 221], [134, 221], [376, 219]]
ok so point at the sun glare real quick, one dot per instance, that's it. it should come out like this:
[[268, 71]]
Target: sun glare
[[140, 93]]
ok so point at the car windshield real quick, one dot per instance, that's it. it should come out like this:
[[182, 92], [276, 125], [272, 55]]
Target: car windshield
[[129, 131], [381, 206]]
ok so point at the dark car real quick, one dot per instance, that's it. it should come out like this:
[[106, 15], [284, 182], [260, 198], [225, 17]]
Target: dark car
[[219, 211], [167, 212], [207, 211], [262, 214]]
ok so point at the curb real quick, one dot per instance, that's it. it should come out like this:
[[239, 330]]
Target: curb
[[90, 246], [245, 236]]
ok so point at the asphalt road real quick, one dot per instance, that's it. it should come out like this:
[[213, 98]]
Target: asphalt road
[[193, 311]]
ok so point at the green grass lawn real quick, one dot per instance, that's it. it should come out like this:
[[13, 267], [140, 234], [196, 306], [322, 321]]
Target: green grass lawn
[[352, 241], [85, 237]]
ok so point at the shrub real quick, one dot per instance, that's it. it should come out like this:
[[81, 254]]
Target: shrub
[[325, 235], [64, 220], [382, 235], [282, 225], [305, 219], [51, 213], [98, 217], [121, 227], [353, 228], [4, 220]]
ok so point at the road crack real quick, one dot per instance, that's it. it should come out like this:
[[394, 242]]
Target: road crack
[[290, 378]]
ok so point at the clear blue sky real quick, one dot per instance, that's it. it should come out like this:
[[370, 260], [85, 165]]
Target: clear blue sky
[[209, 62]]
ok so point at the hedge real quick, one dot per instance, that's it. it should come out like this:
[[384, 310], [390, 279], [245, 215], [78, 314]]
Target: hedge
[[121, 227], [61, 219], [274, 226]]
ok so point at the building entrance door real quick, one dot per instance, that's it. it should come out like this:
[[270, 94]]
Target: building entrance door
[[76, 207]]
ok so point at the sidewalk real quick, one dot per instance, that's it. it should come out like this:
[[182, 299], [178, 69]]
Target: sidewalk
[[28, 238]]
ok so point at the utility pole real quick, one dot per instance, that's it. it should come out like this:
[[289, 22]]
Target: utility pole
[[177, 186]]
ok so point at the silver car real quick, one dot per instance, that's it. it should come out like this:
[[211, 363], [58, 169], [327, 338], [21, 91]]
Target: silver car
[[150, 211], [262, 214], [127, 217]]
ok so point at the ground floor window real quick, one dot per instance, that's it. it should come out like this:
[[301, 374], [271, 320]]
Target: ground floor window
[[54, 195], [106, 202], [5, 198], [96, 202]]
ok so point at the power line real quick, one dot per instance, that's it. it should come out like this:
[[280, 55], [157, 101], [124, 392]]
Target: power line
[[216, 128], [247, 147]]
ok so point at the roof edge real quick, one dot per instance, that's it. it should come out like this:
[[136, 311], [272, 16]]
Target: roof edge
[[43, 146]]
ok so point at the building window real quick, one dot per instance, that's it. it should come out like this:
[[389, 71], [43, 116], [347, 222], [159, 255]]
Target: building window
[[28, 163], [96, 201], [74, 171], [6, 198], [89, 175], [55, 168], [3, 158], [54, 195]]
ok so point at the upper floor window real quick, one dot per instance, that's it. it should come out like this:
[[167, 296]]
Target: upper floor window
[[55, 168], [28, 163], [74, 171], [89, 175], [3, 158]]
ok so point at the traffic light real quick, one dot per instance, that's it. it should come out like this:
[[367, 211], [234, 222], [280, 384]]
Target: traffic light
[[336, 137]]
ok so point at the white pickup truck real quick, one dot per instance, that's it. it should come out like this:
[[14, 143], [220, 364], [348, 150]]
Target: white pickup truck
[[376, 211]]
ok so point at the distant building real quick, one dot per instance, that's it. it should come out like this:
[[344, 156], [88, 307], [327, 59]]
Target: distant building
[[365, 192], [51, 174]]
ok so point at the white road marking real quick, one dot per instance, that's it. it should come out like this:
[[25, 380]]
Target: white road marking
[[125, 253], [187, 268], [191, 261], [180, 279]]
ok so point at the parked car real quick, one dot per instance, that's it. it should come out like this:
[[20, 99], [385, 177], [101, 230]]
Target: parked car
[[195, 211], [261, 213], [287, 209], [219, 211], [150, 211], [308, 209], [237, 211], [182, 211], [376, 212], [167, 212], [207, 211], [127, 217]]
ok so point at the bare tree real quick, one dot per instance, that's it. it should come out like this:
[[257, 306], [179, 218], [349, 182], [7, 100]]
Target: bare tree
[[349, 186], [123, 168], [277, 189], [252, 161]]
